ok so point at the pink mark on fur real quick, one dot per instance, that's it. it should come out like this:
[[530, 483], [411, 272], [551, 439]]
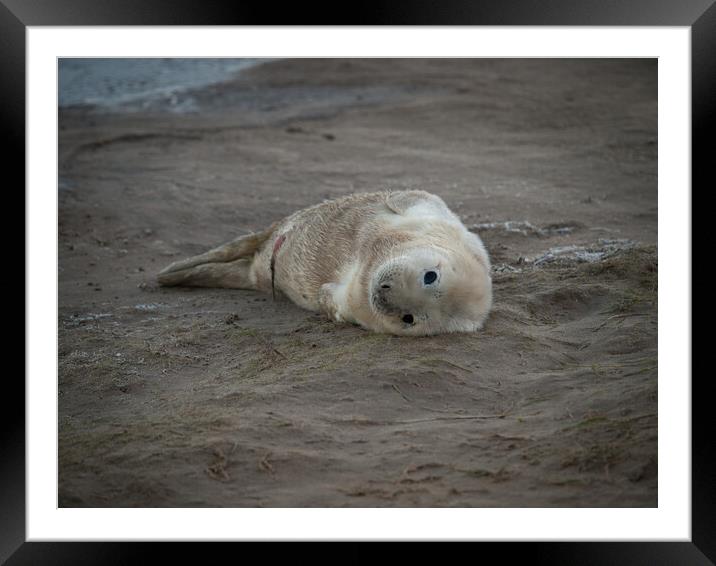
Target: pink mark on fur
[[278, 243]]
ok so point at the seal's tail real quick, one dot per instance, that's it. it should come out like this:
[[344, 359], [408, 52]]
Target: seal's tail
[[225, 266]]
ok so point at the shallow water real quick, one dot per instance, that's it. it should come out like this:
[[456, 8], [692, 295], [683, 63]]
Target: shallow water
[[140, 82]]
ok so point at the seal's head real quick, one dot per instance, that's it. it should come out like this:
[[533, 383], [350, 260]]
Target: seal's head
[[431, 290]]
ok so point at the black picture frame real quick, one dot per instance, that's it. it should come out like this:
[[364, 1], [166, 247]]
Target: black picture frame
[[699, 15]]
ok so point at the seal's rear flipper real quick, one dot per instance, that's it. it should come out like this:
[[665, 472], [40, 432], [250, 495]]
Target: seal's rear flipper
[[229, 275], [180, 272]]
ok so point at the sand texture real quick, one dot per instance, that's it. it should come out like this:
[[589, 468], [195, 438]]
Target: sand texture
[[224, 398]]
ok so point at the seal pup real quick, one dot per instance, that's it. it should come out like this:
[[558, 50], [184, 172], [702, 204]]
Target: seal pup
[[397, 262]]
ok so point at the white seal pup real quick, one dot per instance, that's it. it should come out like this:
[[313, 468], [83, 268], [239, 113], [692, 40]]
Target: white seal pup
[[397, 262]]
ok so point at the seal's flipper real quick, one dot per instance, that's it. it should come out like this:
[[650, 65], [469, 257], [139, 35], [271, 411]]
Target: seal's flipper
[[400, 201], [241, 247], [229, 275]]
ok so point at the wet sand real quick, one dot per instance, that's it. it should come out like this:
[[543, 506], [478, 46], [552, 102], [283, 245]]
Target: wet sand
[[204, 397]]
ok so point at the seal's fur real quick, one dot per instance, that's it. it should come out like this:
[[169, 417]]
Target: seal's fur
[[399, 262]]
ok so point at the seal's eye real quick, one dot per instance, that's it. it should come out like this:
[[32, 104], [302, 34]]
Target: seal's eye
[[430, 277], [408, 318]]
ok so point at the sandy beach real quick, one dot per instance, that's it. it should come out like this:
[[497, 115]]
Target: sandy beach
[[179, 397]]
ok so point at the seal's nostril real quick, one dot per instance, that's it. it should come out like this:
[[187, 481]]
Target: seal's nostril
[[385, 286], [430, 277]]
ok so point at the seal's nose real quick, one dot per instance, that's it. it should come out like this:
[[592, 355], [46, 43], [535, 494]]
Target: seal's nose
[[381, 292], [381, 297]]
